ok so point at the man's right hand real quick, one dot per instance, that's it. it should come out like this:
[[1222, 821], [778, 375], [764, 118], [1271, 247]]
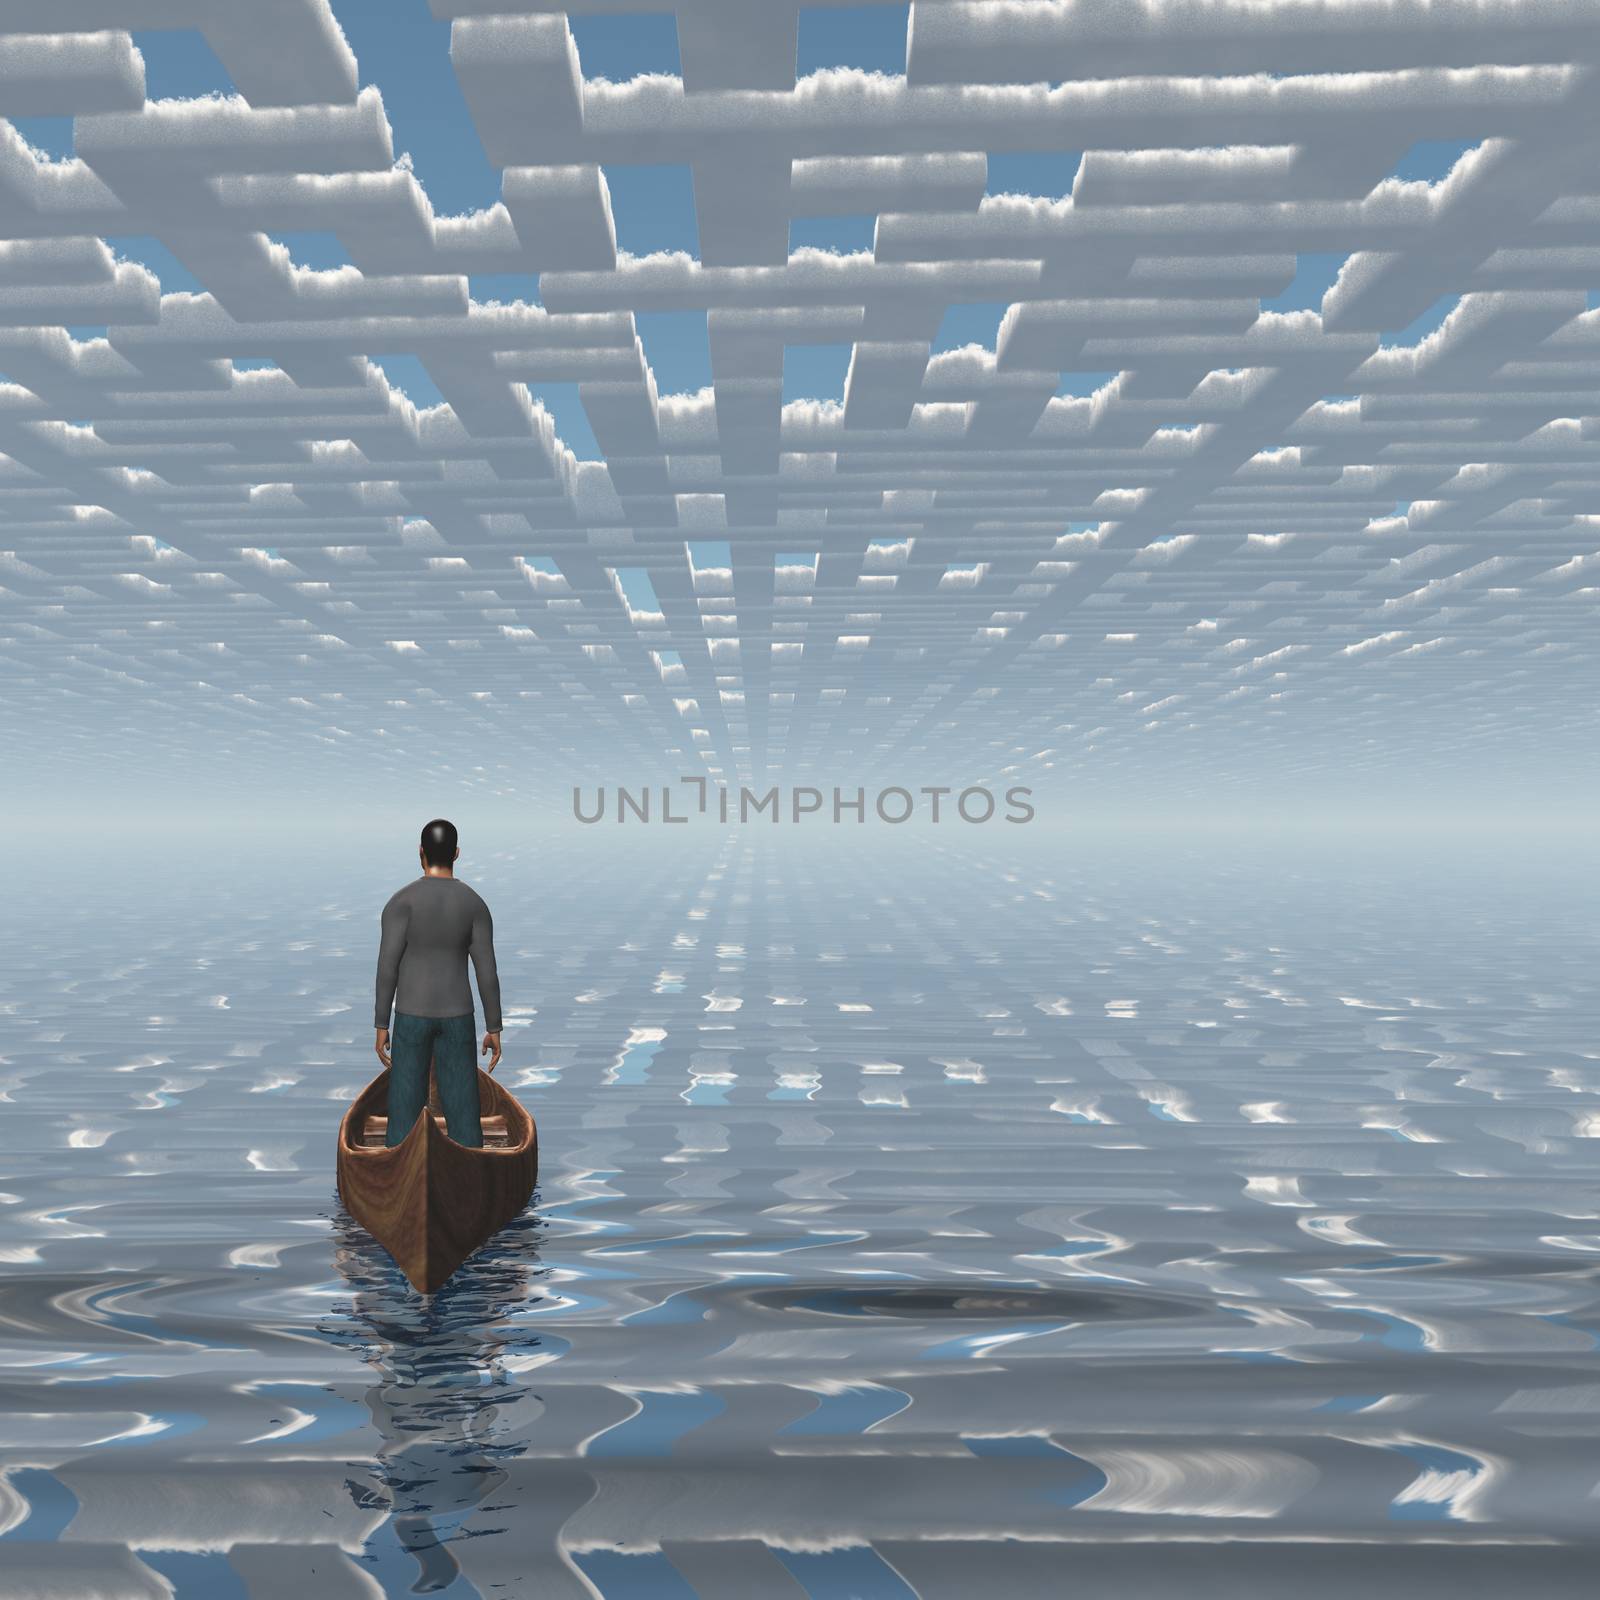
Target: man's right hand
[[382, 1046], [491, 1041]]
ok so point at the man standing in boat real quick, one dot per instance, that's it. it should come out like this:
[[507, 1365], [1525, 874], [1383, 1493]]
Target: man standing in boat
[[429, 930]]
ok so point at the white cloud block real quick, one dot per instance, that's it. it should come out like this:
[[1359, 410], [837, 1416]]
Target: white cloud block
[[1302, 518]]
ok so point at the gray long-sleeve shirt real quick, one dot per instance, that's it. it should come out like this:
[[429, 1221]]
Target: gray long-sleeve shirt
[[429, 929]]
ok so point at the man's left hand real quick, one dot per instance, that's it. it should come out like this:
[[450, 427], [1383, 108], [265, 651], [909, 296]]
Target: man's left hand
[[491, 1041]]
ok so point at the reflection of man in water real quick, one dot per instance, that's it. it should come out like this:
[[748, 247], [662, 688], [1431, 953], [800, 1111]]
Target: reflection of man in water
[[429, 929], [448, 1408]]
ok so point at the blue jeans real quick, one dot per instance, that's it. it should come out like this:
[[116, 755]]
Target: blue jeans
[[449, 1041]]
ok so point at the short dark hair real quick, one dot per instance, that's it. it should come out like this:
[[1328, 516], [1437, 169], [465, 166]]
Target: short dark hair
[[439, 843]]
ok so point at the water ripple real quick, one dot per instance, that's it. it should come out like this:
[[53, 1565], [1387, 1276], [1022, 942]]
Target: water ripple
[[902, 1218]]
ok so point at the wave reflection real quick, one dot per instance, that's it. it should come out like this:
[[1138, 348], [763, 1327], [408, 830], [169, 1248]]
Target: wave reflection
[[447, 1403]]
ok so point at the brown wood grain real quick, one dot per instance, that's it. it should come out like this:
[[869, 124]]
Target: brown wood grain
[[429, 1201]]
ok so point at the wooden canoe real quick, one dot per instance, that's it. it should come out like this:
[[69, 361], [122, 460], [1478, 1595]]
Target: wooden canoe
[[429, 1201]]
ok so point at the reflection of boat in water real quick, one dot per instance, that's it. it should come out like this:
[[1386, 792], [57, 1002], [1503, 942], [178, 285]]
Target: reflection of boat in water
[[447, 1403], [430, 1201]]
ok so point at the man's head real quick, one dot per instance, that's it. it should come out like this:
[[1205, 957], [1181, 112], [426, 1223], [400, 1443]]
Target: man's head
[[439, 843]]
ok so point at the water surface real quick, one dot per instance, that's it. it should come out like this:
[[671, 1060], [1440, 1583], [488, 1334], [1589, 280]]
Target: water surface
[[916, 1217]]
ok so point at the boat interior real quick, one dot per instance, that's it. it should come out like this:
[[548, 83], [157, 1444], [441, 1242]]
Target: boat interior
[[375, 1131]]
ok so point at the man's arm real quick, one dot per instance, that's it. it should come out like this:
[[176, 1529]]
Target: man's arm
[[391, 945], [482, 952]]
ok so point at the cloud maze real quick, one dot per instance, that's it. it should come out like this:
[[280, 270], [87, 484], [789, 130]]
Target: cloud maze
[[1280, 453]]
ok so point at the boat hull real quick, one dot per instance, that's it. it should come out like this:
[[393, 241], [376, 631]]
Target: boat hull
[[429, 1201]]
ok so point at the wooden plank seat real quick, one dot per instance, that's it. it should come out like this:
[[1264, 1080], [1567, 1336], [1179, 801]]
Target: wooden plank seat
[[494, 1128]]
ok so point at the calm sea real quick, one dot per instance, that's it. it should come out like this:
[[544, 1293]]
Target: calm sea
[[951, 1215]]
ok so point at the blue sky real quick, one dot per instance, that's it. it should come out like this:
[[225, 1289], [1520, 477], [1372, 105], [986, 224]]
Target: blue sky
[[404, 50], [1056, 556]]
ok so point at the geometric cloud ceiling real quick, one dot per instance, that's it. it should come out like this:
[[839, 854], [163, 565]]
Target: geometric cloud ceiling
[[742, 389]]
